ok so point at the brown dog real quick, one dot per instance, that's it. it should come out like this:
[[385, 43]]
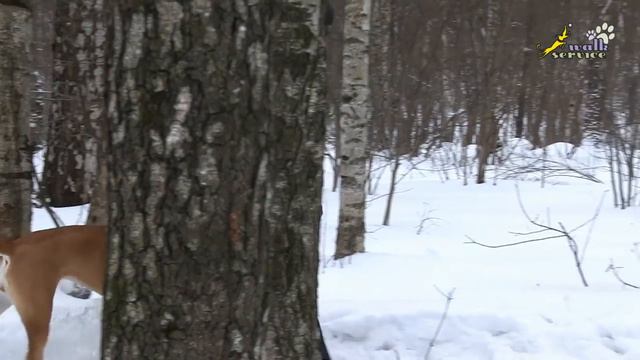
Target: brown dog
[[37, 262]]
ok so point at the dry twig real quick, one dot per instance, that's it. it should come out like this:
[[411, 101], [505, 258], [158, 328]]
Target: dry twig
[[547, 232], [614, 270], [449, 297]]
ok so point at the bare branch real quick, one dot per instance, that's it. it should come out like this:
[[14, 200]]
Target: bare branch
[[472, 241], [595, 216], [449, 297], [526, 214], [385, 195], [573, 246], [605, 8], [561, 232], [614, 270], [528, 233], [43, 199], [331, 157]]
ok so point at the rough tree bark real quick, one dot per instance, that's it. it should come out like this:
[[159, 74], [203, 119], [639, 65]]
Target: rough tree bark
[[15, 149], [42, 60], [354, 121], [217, 139], [76, 139]]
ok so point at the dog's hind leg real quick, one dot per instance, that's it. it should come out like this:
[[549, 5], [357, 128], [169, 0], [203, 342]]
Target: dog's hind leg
[[34, 302]]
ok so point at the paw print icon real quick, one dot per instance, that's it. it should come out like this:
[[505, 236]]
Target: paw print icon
[[603, 32]]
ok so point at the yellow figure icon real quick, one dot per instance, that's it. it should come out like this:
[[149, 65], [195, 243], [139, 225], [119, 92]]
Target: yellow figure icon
[[560, 41]]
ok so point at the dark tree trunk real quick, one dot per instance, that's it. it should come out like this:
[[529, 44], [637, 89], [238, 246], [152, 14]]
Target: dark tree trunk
[[379, 72], [217, 139], [392, 190], [78, 107], [528, 57], [335, 41], [15, 153]]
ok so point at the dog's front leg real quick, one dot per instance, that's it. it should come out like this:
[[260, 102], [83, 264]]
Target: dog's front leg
[[34, 303]]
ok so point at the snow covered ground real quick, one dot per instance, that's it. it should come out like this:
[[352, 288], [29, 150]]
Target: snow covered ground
[[521, 302]]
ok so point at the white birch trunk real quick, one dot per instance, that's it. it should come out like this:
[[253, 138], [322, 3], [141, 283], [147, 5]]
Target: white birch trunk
[[354, 119]]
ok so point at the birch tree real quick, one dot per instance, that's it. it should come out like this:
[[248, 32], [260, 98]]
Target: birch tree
[[15, 153], [217, 143], [354, 121]]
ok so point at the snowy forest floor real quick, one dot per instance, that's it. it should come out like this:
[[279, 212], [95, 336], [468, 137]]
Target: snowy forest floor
[[520, 302]]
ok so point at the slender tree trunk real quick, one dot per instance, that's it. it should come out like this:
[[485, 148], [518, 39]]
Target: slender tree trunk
[[630, 176], [15, 148], [336, 170], [594, 101], [620, 173], [218, 136], [612, 172], [464, 159], [354, 119], [392, 190], [335, 43], [43, 35], [632, 125], [521, 108], [380, 78], [371, 188], [543, 170]]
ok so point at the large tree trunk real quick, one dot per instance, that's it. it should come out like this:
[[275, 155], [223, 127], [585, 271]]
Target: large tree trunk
[[217, 143], [355, 114], [15, 152], [75, 164], [77, 115]]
